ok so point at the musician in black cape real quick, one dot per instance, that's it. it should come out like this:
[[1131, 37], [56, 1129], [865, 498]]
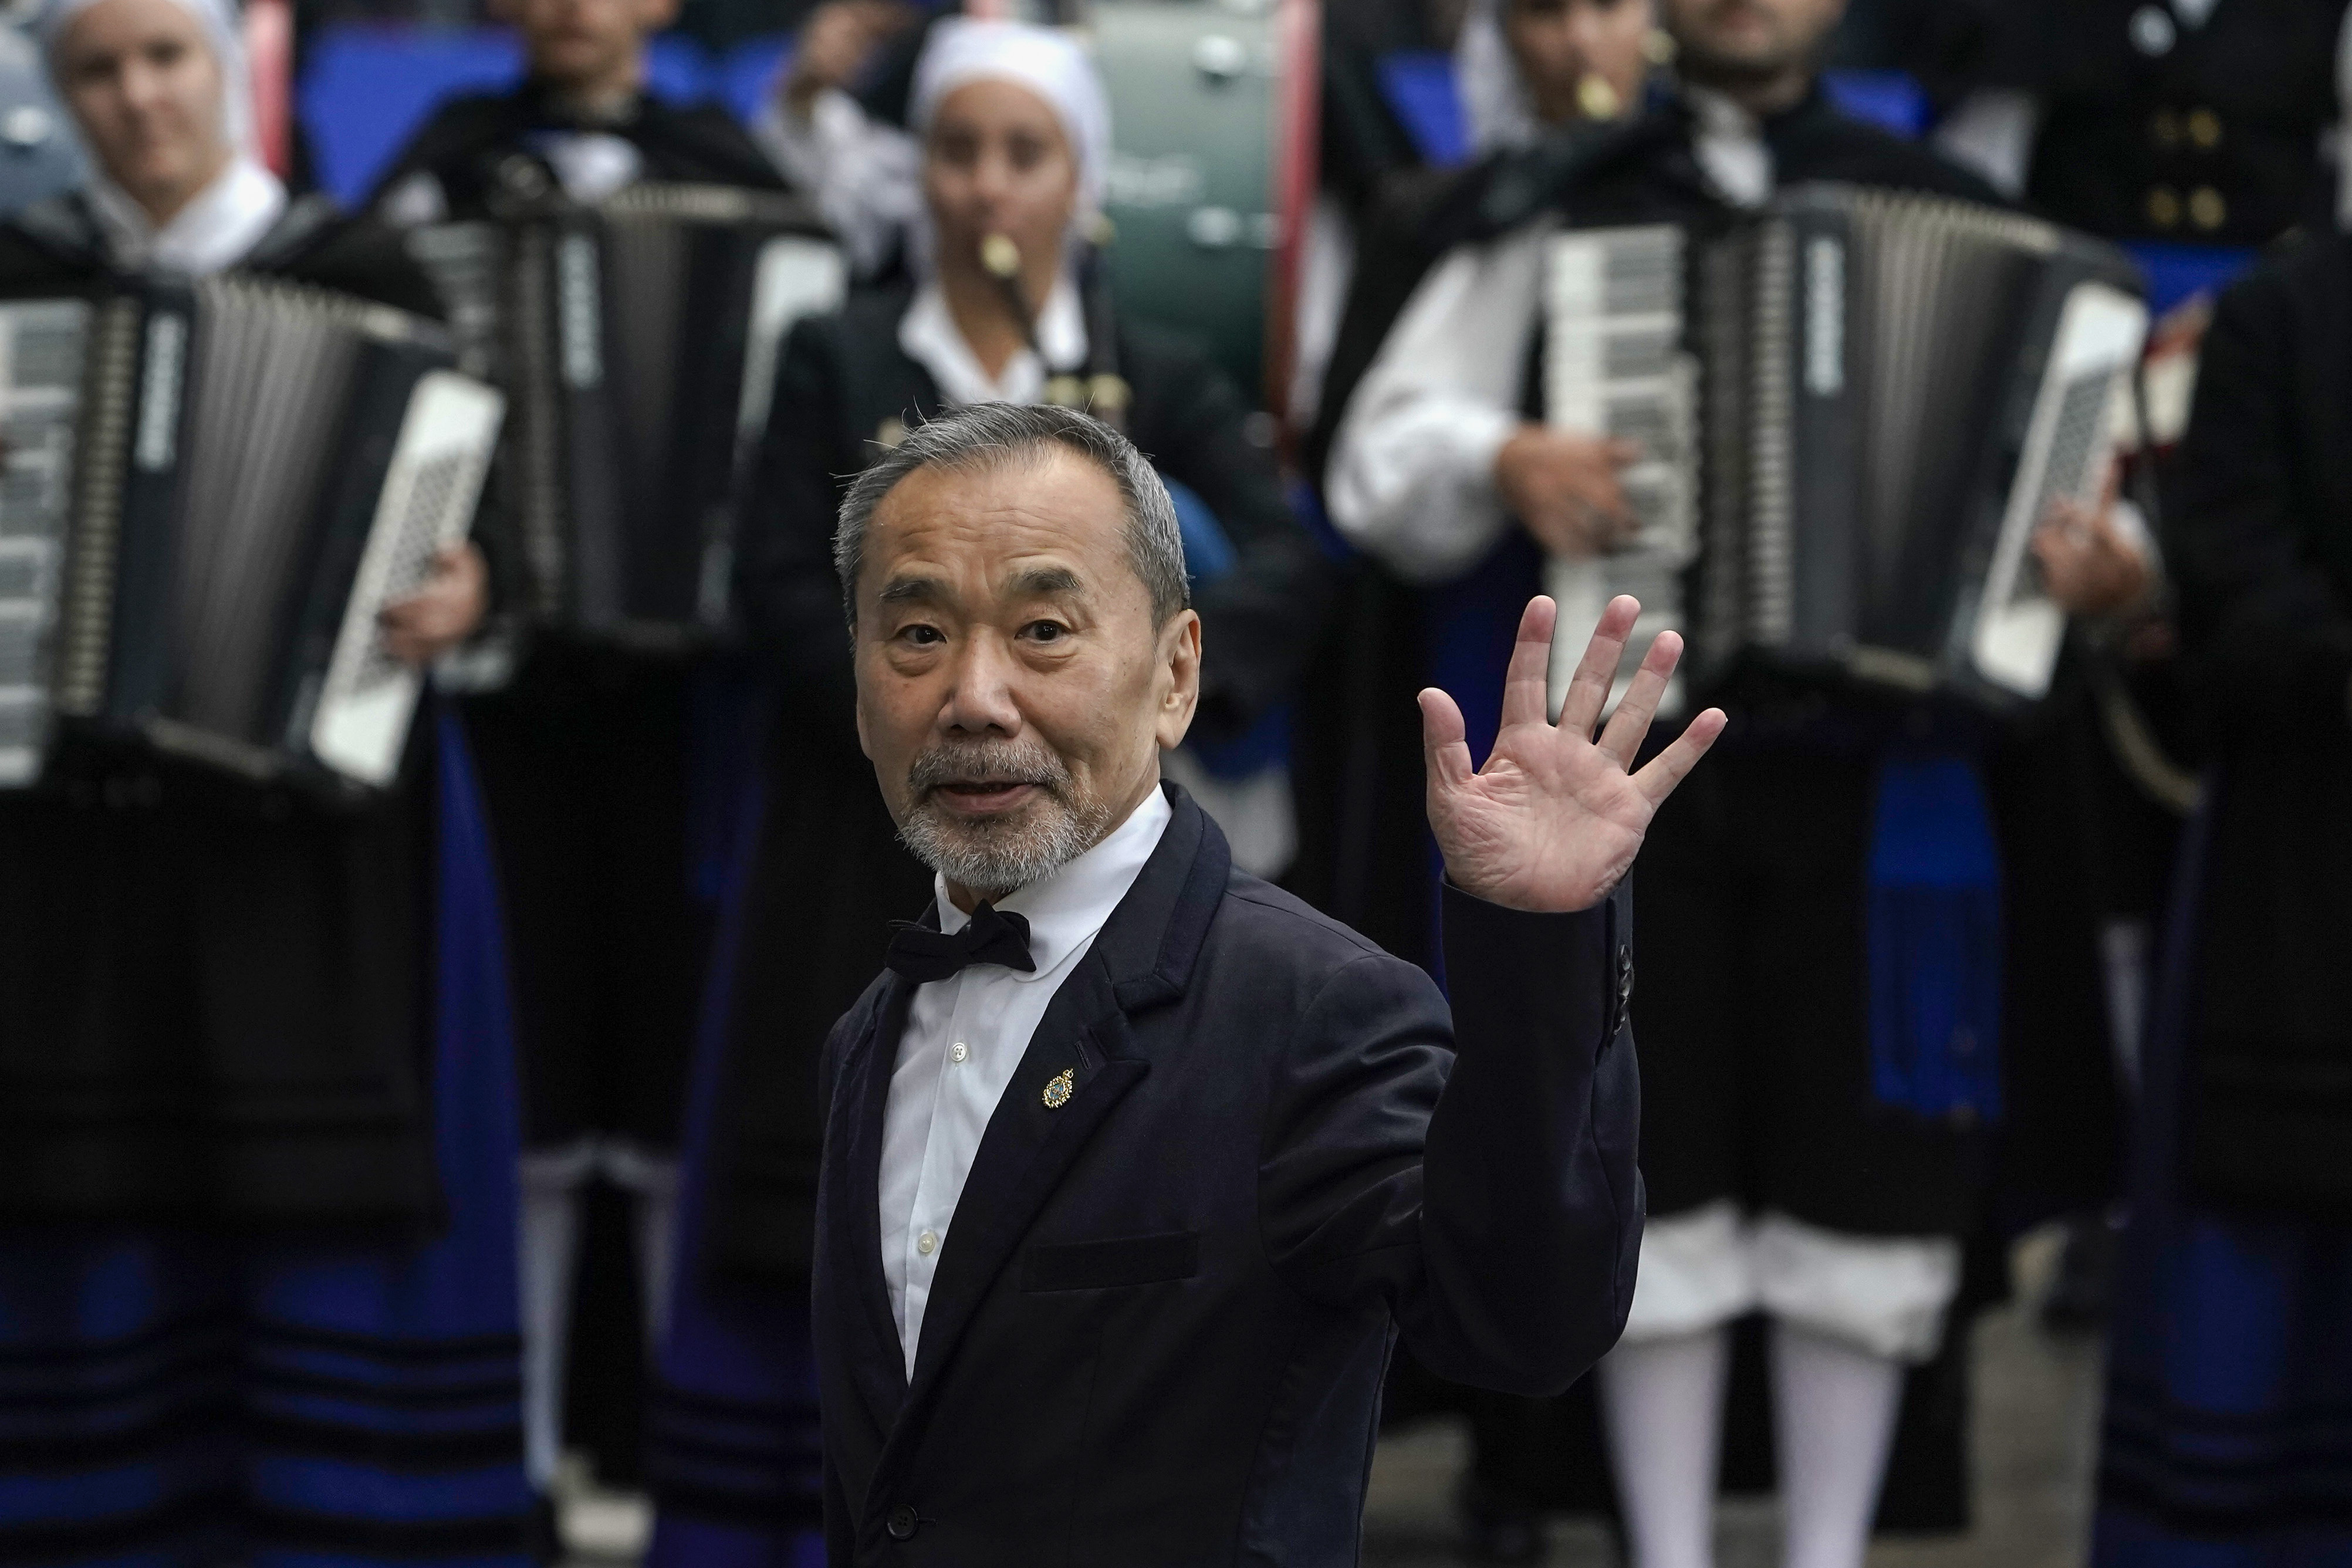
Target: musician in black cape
[[1016, 132], [2226, 1355], [1779, 1180], [254, 1068], [606, 768]]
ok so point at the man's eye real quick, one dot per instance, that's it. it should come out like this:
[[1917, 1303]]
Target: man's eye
[[1045, 631], [921, 635]]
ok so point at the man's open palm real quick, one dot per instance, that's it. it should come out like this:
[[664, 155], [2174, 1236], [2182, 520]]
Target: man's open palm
[[1554, 819]]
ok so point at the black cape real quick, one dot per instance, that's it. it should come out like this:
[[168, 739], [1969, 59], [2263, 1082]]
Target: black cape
[[460, 146], [829, 872], [2259, 540], [214, 997]]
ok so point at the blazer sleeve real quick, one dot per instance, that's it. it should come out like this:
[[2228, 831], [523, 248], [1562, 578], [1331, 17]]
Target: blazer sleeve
[[1489, 1197]]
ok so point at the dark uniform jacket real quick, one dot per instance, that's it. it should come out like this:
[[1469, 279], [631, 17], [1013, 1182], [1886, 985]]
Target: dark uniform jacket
[[215, 996], [828, 843], [2259, 540], [1158, 1330], [462, 144], [2152, 129]]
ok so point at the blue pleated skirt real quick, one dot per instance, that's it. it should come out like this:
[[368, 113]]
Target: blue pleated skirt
[[183, 1399], [2227, 1440], [733, 1447]]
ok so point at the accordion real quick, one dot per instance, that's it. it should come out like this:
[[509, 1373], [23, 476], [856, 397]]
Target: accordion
[[208, 493], [1854, 406], [636, 341]]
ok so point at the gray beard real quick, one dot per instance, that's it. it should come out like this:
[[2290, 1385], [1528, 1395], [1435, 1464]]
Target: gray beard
[[992, 858]]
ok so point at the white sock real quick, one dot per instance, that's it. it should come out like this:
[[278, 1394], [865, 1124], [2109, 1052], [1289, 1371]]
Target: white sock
[[1662, 1410], [551, 1217], [1834, 1411]]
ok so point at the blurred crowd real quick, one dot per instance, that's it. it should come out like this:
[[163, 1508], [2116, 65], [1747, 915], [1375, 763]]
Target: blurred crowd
[[364, 1164]]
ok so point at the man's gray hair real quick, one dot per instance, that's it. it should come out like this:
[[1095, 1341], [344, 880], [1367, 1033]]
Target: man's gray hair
[[986, 435]]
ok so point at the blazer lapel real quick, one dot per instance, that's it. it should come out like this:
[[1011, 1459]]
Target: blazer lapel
[[1028, 1145], [881, 1360]]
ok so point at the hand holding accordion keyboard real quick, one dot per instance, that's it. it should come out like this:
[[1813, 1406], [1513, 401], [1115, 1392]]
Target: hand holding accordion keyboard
[[638, 340], [1856, 407], [209, 494]]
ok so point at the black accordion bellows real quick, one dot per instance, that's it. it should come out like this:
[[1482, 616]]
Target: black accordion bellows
[[210, 493], [1855, 406], [636, 338]]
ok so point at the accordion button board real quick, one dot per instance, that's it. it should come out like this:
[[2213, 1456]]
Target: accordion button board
[[209, 494], [1855, 407]]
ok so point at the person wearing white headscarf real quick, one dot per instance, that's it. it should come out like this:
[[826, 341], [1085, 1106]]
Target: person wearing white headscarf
[[192, 202], [255, 1056]]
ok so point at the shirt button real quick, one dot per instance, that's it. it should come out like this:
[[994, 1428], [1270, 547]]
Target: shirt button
[[902, 1523], [958, 1051], [927, 1244]]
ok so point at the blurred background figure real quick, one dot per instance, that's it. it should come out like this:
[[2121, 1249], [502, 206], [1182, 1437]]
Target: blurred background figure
[[597, 762], [2227, 1358], [257, 1277]]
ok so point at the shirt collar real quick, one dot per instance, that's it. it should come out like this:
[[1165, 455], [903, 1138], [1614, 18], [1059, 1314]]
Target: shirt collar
[[930, 338], [1067, 907], [215, 230]]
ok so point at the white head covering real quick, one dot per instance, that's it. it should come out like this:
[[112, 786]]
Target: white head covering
[[219, 21], [227, 218], [1495, 102], [1045, 61]]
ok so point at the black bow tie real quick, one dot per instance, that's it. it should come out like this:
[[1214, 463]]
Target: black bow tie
[[991, 936]]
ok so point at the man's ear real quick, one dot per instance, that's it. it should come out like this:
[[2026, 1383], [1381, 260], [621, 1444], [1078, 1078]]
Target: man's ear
[[1178, 677], [653, 15]]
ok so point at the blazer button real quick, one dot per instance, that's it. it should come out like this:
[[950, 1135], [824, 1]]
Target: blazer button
[[901, 1524]]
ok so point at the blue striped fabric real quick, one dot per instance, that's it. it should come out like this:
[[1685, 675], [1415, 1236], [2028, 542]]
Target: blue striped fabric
[[2227, 1433], [733, 1447], [168, 1398]]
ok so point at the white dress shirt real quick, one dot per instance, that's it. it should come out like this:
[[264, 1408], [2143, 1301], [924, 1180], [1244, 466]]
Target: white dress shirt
[[928, 335], [964, 1038]]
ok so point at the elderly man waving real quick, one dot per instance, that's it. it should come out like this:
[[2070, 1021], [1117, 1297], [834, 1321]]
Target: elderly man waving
[[1134, 1165]]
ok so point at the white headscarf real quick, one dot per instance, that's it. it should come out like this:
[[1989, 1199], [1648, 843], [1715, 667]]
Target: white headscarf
[[227, 218], [1045, 61], [1495, 103]]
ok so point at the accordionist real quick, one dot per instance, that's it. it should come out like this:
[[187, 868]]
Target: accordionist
[[1781, 1178], [590, 755], [229, 1008]]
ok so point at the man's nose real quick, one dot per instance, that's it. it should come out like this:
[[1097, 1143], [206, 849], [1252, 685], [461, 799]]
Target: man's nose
[[981, 692]]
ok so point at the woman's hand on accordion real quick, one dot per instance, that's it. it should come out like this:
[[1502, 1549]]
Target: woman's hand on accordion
[[1564, 488], [2089, 565], [442, 613], [1555, 818]]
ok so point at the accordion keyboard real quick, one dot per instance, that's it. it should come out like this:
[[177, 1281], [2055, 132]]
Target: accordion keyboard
[[43, 353], [1614, 365]]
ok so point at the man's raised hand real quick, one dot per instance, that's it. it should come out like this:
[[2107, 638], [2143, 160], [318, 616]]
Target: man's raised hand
[[1554, 819]]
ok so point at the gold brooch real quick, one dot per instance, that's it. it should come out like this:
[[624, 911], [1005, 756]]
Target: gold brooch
[[1058, 1090]]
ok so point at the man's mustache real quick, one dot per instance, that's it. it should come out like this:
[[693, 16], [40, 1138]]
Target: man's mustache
[[987, 761]]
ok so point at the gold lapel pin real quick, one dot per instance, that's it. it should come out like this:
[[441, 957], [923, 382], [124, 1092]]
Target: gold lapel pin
[[1057, 1090]]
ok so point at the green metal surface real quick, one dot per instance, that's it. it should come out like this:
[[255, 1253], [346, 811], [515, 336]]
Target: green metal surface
[[1193, 91]]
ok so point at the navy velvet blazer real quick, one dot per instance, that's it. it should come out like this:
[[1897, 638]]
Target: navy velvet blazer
[[1158, 1333]]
